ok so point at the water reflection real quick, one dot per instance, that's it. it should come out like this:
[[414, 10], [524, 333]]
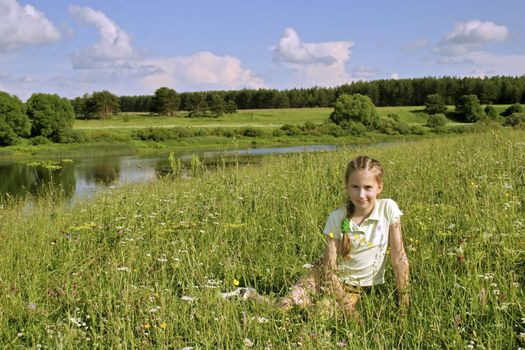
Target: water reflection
[[17, 179], [84, 177]]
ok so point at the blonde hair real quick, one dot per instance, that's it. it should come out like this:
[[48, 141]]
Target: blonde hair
[[359, 163]]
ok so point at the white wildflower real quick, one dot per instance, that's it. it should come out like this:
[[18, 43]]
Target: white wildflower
[[123, 268], [187, 298], [248, 343], [262, 319]]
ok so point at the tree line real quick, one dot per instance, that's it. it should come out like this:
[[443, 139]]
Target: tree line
[[402, 92]]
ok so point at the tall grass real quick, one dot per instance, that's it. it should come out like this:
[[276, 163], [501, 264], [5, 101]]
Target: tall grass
[[143, 266]]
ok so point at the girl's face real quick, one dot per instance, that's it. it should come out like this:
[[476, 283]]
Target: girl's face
[[362, 189]]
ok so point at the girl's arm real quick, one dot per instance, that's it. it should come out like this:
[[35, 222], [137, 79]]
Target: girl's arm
[[399, 263], [329, 265]]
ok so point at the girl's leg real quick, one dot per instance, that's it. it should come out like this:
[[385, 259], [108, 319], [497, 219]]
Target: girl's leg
[[301, 292]]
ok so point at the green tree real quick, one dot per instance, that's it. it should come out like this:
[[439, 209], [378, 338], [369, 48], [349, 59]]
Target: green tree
[[51, 116], [469, 109], [355, 108], [196, 104], [166, 101], [216, 104], [13, 119], [435, 104], [102, 104], [79, 106], [230, 107]]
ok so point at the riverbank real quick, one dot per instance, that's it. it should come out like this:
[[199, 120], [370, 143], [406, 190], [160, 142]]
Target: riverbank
[[135, 133]]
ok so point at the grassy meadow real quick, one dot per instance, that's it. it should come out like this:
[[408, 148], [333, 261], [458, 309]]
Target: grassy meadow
[[144, 266], [273, 118]]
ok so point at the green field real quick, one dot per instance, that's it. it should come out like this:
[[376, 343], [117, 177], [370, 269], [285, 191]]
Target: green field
[[271, 118], [143, 266]]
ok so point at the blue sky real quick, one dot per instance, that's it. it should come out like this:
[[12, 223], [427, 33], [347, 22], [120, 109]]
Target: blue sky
[[134, 47]]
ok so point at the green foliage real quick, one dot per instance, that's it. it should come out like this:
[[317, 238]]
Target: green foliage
[[515, 108], [166, 101], [331, 129], [196, 104], [434, 104], [394, 116], [355, 108], [13, 120], [51, 116], [392, 127], [437, 120], [491, 111], [216, 104], [102, 104], [469, 109], [515, 119], [252, 132], [39, 140], [230, 107]]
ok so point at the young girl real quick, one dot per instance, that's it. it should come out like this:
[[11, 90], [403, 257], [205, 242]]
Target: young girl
[[357, 237]]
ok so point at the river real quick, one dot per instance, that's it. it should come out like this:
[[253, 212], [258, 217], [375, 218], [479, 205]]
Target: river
[[81, 178]]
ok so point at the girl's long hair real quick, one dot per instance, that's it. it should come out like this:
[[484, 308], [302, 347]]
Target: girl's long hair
[[359, 163]]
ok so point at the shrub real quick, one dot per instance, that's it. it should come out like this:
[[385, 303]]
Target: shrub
[[437, 120], [291, 130], [469, 109], [387, 126], [39, 140], [152, 134], [309, 126], [491, 111], [394, 116], [354, 128], [515, 108], [251, 132], [515, 119], [278, 133], [356, 108]]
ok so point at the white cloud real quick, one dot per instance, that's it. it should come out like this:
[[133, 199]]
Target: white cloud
[[24, 25], [114, 45], [291, 50], [314, 63], [394, 76], [470, 36], [475, 31], [113, 58], [202, 70]]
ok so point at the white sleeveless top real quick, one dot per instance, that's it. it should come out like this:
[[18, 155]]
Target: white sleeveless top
[[366, 265]]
